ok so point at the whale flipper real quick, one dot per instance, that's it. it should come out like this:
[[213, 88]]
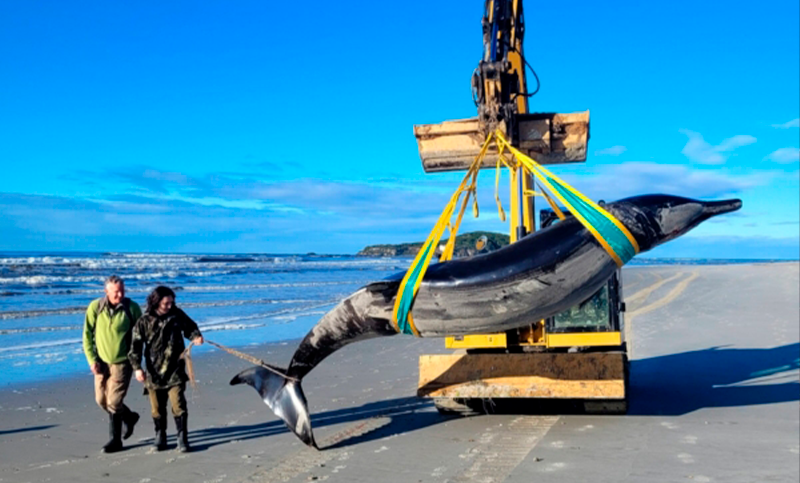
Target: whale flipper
[[284, 396]]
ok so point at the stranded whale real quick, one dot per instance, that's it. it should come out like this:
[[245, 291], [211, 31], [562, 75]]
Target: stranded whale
[[537, 277]]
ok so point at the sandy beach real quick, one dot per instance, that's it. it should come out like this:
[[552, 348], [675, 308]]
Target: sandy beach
[[714, 397]]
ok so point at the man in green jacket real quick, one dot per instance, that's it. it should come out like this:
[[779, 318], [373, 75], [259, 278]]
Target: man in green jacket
[[106, 342]]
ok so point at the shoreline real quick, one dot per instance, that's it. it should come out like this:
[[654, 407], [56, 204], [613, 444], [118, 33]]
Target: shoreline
[[81, 371], [209, 352], [714, 391]]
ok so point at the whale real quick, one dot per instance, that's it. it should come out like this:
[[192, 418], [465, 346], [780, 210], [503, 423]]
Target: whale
[[537, 277]]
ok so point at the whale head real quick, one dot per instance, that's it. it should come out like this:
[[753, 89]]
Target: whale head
[[657, 219]]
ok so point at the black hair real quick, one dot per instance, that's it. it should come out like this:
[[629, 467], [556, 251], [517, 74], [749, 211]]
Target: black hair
[[155, 298]]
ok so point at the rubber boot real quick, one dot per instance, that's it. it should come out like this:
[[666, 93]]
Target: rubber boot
[[160, 441], [115, 432], [129, 420], [183, 438]]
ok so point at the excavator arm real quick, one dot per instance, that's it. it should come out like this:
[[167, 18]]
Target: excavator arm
[[498, 83]]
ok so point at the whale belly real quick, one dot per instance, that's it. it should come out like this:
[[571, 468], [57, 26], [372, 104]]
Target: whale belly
[[500, 303]]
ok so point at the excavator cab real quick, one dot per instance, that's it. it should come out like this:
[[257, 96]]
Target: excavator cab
[[601, 313]]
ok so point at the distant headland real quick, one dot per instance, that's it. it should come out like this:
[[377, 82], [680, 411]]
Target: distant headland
[[465, 246]]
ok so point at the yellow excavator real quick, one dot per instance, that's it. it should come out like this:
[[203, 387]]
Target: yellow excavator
[[578, 355]]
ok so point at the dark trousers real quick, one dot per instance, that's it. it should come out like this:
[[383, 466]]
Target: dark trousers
[[158, 401]]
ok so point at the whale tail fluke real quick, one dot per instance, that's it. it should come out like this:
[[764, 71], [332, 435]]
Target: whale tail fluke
[[284, 396]]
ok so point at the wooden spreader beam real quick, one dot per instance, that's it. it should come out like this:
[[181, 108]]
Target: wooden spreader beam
[[548, 138]]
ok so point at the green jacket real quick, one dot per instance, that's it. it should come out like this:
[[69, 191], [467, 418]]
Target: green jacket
[[107, 332]]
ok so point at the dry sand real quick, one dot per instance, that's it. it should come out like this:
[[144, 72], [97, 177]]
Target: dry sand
[[714, 397]]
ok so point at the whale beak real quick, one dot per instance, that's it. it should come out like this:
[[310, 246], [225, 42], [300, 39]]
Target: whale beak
[[714, 208]]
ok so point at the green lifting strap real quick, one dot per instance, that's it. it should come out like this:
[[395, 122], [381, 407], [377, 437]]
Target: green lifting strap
[[609, 232], [617, 240], [407, 296]]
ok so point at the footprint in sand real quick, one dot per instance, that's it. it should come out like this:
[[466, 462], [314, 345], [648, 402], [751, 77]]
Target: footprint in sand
[[555, 467], [439, 471]]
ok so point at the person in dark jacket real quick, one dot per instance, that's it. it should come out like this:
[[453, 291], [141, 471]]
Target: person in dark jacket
[[158, 335]]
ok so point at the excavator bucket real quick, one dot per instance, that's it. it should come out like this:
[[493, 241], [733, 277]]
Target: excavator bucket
[[548, 138]]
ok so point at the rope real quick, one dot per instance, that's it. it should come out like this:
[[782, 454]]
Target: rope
[[186, 355]]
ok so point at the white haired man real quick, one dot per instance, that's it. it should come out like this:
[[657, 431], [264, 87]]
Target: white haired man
[[106, 342]]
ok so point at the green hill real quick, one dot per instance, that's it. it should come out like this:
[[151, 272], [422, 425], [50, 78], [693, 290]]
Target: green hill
[[465, 246]]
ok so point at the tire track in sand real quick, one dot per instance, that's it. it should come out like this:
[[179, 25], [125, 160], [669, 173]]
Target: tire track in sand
[[308, 459], [669, 297], [645, 292], [499, 454]]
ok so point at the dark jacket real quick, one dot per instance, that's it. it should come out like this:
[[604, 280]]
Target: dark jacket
[[161, 339]]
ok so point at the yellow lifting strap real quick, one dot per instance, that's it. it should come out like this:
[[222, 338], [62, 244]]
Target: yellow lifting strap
[[612, 235], [402, 319]]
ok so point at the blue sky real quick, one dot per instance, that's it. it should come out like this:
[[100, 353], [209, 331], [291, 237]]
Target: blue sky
[[251, 126]]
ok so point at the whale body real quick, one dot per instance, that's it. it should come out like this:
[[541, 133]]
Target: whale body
[[537, 277]]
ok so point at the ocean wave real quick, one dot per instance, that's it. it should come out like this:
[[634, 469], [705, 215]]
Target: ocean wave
[[27, 314], [214, 321], [30, 330], [207, 288], [37, 261], [285, 319], [258, 286], [238, 303], [83, 275], [41, 345], [37, 280], [213, 325], [223, 259]]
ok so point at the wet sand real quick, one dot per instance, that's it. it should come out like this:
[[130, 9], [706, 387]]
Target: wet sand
[[714, 397]]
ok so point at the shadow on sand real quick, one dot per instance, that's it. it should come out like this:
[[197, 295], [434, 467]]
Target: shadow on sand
[[25, 430], [673, 385], [677, 384], [405, 414]]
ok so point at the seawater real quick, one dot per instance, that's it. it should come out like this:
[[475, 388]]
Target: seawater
[[237, 300]]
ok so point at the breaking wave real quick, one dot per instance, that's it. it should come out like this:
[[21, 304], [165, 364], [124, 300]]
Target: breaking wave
[[26, 314], [207, 288]]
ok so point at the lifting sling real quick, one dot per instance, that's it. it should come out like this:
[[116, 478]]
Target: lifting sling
[[612, 235]]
